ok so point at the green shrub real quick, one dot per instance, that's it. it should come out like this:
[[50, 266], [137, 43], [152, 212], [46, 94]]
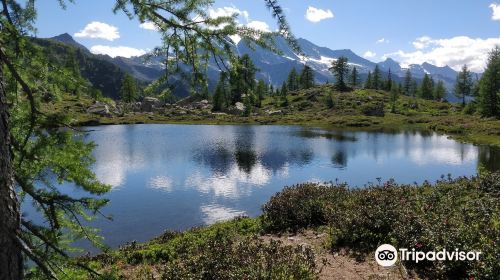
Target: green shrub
[[227, 250], [373, 109], [299, 206], [462, 213], [170, 244], [248, 258], [304, 105], [469, 109], [298, 98], [330, 104]]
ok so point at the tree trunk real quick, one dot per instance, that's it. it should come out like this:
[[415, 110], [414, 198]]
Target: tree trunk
[[11, 260]]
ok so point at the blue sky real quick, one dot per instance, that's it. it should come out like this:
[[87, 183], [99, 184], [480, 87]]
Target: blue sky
[[442, 32]]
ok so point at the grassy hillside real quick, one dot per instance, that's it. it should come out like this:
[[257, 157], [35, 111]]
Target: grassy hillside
[[319, 106]]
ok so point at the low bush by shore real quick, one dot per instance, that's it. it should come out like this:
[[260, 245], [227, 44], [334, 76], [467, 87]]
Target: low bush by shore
[[458, 213]]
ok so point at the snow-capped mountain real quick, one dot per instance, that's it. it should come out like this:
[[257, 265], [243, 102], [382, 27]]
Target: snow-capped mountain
[[274, 67], [391, 64]]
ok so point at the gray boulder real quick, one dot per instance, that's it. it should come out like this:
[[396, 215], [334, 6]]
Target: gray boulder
[[238, 109], [240, 106], [99, 109], [149, 104], [203, 104], [274, 113]]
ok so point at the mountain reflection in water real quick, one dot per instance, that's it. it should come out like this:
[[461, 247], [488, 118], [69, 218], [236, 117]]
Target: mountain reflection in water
[[180, 176]]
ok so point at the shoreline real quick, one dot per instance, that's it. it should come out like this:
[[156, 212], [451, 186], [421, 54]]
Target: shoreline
[[474, 138], [360, 110], [317, 228]]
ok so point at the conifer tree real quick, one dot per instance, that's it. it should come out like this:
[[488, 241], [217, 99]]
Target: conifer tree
[[248, 102], [32, 146], [476, 87], [242, 78], [306, 78], [220, 99], [463, 84], [277, 94], [439, 90], [388, 83], [489, 89], [340, 70], [354, 78], [261, 92], [426, 90], [407, 83], [369, 82], [284, 94], [413, 88], [376, 78], [394, 97], [293, 81], [129, 89], [413, 92]]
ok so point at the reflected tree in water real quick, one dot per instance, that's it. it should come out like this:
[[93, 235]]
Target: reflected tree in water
[[217, 157], [339, 159], [246, 159], [489, 158], [245, 155]]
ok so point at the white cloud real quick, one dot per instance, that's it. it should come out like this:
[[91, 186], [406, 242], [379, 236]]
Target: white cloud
[[148, 25], [236, 38], [215, 213], [99, 30], [233, 11], [496, 11], [117, 51], [382, 40], [422, 42], [162, 183], [227, 12], [259, 25], [241, 16], [369, 54], [242, 19], [453, 52], [316, 15]]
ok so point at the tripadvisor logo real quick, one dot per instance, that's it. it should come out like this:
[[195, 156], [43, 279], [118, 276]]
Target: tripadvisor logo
[[387, 255]]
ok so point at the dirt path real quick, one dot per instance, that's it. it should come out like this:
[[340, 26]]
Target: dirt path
[[341, 265]]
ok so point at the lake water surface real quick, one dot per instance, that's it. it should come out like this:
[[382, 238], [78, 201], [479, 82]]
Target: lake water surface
[[180, 176]]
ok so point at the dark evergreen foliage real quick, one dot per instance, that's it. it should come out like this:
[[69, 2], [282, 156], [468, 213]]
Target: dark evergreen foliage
[[464, 84], [307, 78], [489, 89], [340, 69]]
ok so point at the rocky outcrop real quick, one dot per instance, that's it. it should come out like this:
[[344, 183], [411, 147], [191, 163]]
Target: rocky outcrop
[[239, 106], [202, 105], [238, 109], [274, 113], [99, 108], [149, 104], [188, 100]]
